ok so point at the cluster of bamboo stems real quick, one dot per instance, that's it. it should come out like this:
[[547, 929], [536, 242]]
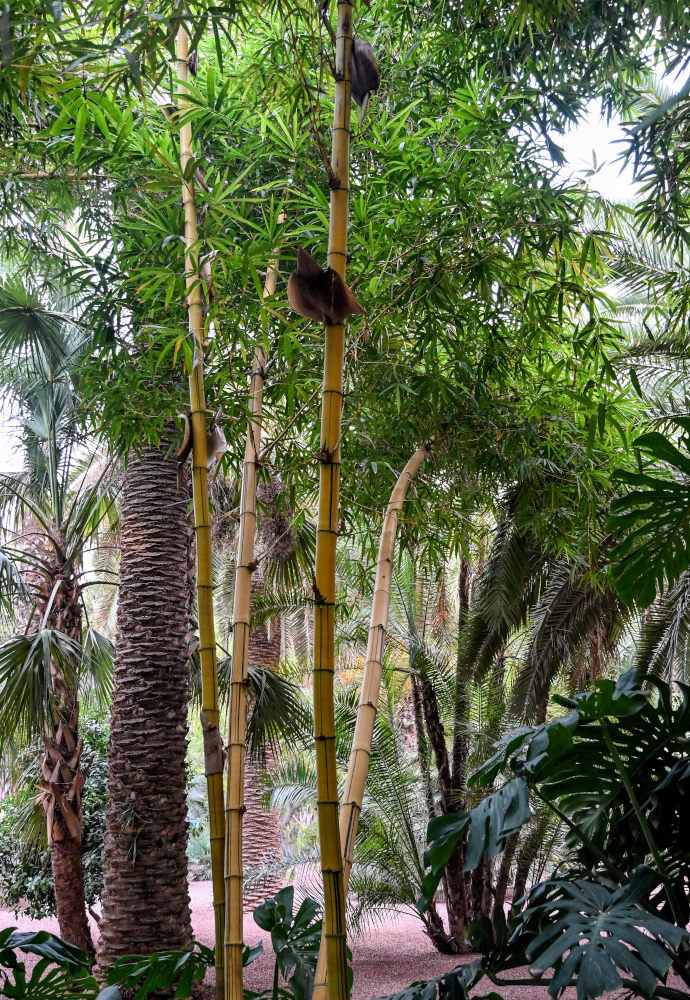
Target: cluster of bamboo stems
[[337, 825]]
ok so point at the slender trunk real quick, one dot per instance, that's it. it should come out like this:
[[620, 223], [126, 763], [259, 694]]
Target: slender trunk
[[145, 891], [210, 714], [422, 749], [504, 870], [63, 778], [371, 686], [454, 877], [244, 568], [525, 859], [327, 533], [461, 742]]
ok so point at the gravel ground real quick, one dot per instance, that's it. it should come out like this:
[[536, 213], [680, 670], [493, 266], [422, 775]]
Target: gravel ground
[[390, 956]]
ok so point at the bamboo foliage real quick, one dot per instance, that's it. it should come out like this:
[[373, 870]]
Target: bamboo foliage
[[210, 716], [327, 533], [360, 755], [244, 567]]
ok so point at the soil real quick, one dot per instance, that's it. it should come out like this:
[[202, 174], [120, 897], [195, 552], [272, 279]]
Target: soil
[[392, 954]]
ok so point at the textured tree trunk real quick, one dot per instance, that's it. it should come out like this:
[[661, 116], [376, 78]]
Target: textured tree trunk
[[261, 827], [454, 882], [504, 870], [145, 892], [63, 779]]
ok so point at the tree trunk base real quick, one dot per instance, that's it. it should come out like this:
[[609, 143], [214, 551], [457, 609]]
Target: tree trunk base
[[68, 877]]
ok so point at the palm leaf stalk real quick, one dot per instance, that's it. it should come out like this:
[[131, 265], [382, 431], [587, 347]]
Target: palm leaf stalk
[[244, 567], [327, 534], [210, 711], [360, 755]]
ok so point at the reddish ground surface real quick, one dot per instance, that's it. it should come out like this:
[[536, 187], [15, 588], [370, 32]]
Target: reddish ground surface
[[387, 958]]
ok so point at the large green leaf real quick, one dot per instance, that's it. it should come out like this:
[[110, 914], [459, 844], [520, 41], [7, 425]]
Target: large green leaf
[[591, 933]]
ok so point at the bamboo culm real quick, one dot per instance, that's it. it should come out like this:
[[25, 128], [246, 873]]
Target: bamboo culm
[[210, 715], [234, 934], [369, 695], [327, 532]]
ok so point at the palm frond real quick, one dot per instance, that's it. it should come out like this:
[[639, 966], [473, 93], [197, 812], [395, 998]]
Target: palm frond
[[663, 645], [25, 686]]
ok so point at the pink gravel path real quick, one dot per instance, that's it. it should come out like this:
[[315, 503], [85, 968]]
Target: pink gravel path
[[390, 956]]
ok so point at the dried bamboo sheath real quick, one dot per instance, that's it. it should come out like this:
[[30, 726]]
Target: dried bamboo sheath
[[326, 536], [213, 752], [234, 937], [369, 694]]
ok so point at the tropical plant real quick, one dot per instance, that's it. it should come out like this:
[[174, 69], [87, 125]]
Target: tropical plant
[[51, 513], [146, 815], [62, 972], [614, 770], [295, 938]]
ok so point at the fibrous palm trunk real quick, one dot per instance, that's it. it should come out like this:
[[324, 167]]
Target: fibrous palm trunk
[[63, 778], [261, 827], [145, 890]]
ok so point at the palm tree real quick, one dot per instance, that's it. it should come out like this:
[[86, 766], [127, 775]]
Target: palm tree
[[51, 512], [145, 891]]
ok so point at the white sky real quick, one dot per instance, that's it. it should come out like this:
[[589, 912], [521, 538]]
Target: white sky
[[610, 180]]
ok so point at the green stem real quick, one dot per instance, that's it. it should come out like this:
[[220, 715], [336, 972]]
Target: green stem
[[644, 826]]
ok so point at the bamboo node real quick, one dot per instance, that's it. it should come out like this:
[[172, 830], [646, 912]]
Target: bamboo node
[[325, 456], [254, 564]]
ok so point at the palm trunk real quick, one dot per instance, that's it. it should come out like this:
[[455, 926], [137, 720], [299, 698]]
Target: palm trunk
[[210, 714], [145, 890], [63, 778], [327, 534], [244, 568], [261, 827], [371, 686], [504, 871]]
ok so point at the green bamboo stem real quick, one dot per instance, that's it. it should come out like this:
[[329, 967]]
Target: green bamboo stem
[[369, 694], [327, 533], [210, 715], [244, 567]]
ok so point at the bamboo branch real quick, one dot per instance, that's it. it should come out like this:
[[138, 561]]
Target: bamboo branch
[[369, 694], [327, 533], [244, 567], [210, 714]]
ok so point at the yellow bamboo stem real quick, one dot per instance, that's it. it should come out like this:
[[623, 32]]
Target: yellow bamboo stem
[[210, 715], [326, 535], [244, 566], [369, 695]]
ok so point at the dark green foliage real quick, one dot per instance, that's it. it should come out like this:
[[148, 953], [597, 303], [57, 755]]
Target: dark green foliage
[[26, 879], [60, 974], [454, 985], [295, 939], [616, 770], [589, 932], [161, 971]]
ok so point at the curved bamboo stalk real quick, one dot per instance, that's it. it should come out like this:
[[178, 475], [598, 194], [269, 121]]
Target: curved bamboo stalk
[[210, 715], [244, 567], [327, 533], [369, 694]]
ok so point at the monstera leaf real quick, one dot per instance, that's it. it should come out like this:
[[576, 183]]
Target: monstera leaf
[[490, 823], [296, 938], [593, 934], [455, 985]]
